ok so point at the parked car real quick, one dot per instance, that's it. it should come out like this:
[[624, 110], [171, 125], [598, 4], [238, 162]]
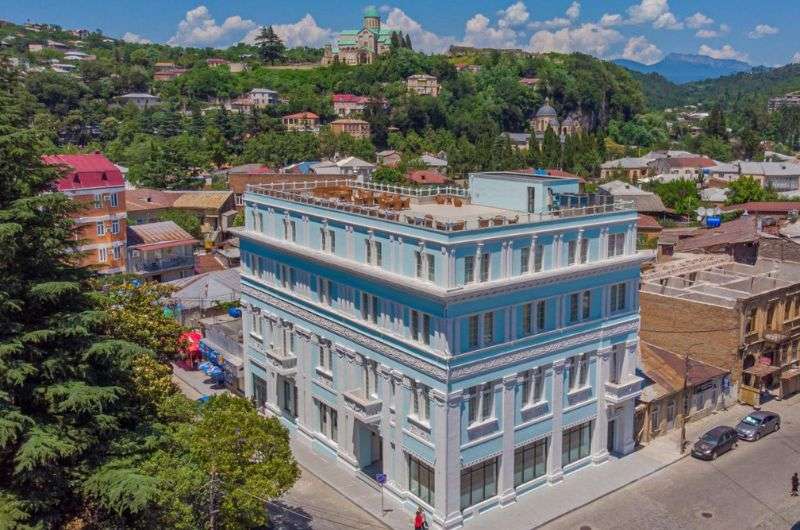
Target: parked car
[[715, 442], [757, 424]]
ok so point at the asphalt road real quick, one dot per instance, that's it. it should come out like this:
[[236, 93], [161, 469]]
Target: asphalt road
[[745, 488]]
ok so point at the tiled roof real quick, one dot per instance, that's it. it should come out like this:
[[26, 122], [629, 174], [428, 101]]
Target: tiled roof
[[776, 207], [666, 368], [302, 116], [207, 263], [741, 230], [143, 199], [202, 199], [157, 234], [349, 98], [426, 176], [86, 171], [251, 169], [647, 221], [698, 161]]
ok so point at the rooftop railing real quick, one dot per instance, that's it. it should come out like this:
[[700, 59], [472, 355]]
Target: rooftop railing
[[400, 211]]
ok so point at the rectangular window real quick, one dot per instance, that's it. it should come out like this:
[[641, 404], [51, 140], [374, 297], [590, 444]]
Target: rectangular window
[[538, 258], [418, 260], [586, 304], [574, 304], [369, 307], [325, 291], [426, 329], [113, 199], [485, 267], [469, 269], [524, 259], [480, 403], [616, 245], [421, 480], [579, 371], [368, 251], [117, 252], [533, 386], [527, 318], [100, 228], [431, 267], [617, 298], [98, 200], [584, 250], [421, 403], [530, 462], [472, 331], [571, 251], [259, 391], [289, 230], [414, 325], [115, 227], [540, 315], [576, 443], [102, 255], [655, 420], [324, 357], [488, 327], [479, 482], [378, 253]]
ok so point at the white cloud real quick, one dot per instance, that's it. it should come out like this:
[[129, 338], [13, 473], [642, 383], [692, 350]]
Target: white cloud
[[304, 32], [641, 50], [134, 38], [199, 29], [795, 58], [558, 22], [588, 38], [706, 34], [656, 12], [574, 10], [478, 32], [608, 20], [726, 52], [667, 21], [698, 20], [762, 30], [513, 15], [421, 39]]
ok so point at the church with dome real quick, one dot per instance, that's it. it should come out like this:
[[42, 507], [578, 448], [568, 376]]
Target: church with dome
[[360, 46], [547, 116]]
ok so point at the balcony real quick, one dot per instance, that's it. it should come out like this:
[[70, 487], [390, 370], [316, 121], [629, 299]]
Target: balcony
[[366, 410], [283, 364], [618, 392], [161, 265]]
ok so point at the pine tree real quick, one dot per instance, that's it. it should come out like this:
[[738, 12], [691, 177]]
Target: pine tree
[[408, 42], [270, 46], [551, 149], [396, 41]]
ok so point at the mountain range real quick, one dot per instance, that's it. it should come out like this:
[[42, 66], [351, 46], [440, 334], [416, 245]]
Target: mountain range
[[686, 68]]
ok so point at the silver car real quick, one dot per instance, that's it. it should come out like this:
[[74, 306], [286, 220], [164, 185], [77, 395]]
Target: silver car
[[757, 424]]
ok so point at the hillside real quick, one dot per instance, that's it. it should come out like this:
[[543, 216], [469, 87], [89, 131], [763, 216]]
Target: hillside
[[686, 68]]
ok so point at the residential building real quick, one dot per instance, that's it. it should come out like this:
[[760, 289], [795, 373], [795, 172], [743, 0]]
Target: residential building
[[346, 105], [738, 239], [423, 84], [200, 296], [689, 168], [146, 205], [215, 209], [348, 167], [470, 348], [782, 245], [782, 209], [631, 168], [438, 163], [644, 201], [167, 71], [301, 122], [665, 403], [519, 141], [715, 196], [737, 317], [160, 251], [427, 177], [353, 127], [263, 97], [648, 227], [238, 182], [780, 176], [791, 99], [360, 46], [214, 62], [98, 186], [388, 157], [141, 100]]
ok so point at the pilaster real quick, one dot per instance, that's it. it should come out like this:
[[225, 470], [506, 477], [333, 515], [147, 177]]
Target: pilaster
[[600, 433], [554, 470], [506, 485], [447, 437]]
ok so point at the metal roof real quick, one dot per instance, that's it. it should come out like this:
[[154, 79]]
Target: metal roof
[[202, 199], [156, 233]]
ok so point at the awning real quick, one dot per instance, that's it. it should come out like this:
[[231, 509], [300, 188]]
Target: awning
[[761, 370], [789, 374]]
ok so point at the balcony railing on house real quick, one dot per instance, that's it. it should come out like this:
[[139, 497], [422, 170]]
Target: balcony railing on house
[[365, 409], [439, 208], [163, 264], [284, 363], [618, 392]]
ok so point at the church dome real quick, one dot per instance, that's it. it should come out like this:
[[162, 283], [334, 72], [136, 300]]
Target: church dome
[[546, 111], [371, 12]]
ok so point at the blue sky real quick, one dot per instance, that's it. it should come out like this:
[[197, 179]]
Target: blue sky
[[759, 32]]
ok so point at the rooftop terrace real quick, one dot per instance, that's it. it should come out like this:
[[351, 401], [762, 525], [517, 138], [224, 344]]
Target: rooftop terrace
[[720, 282], [438, 208]]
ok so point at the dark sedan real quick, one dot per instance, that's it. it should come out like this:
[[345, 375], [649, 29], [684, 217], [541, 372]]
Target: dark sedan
[[758, 424], [715, 442]]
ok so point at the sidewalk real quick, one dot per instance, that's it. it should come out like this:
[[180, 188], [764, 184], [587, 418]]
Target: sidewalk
[[193, 383]]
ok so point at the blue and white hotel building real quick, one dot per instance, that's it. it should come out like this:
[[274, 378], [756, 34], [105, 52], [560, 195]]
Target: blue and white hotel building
[[471, 344]]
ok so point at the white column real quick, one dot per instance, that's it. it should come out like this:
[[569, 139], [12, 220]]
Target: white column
[[398, 263], [447, 437], [272, 391], [557, 251], [506, 486], [403, 401], [386, 416], [554, 471], [604, 243], [628, 410], [600, 434], [629, 361], [451, 276], [532, 255], [345, 416]]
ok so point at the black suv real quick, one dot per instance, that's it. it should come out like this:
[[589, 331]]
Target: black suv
[[715, 442]]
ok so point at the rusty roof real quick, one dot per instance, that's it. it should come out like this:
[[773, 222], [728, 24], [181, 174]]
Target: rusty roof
[[202, 199], [665, 369], [143, 199], [158, 233], [741, 230]]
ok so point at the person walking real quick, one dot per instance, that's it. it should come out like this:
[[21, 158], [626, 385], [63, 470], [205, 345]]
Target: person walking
[[419, 519], [795, 484]]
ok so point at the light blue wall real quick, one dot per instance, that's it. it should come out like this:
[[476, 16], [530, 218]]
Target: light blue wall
[[500, 191]]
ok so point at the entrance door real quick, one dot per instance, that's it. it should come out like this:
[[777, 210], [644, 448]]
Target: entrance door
[[611, 429]]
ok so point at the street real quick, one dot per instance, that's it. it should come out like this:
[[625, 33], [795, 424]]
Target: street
[[746, 488]]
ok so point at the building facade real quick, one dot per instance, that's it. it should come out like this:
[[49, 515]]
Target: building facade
[[353, 127], [160, 251], [345, 105], [360, 46], [469, 361], [100, 225], [301, 122], [423, 84]]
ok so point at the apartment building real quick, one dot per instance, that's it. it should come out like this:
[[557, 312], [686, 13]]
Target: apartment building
[[470, 345], [423, 84], [100, 225]]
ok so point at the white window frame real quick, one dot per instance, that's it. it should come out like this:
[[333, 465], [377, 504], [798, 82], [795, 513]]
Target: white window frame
[[115, 227], [112, 199], [617, 298], [102, 255], [100, 228], [480, 403], [533, 387]]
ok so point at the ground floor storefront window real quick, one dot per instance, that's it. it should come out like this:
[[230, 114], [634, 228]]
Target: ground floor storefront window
[[530, 462], [576, 443], [479, 482], [421, 478]]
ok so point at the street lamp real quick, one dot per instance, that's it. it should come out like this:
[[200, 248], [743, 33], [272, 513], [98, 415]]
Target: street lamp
[[682, 447]]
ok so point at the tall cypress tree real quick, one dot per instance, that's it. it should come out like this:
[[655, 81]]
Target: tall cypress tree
[[551, 149], [60, 399]]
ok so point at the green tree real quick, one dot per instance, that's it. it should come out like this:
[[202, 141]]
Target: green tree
[[270, 46], [186, 220], [747, 189], [715, 123], [551, 149], [680, 195], [388, 175]]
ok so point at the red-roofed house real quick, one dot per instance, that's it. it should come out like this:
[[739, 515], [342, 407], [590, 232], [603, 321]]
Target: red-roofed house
[[301, 122], [98, 185], [686, 167], [427, 176], [648, 226], [776, 208], [345, 105]]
